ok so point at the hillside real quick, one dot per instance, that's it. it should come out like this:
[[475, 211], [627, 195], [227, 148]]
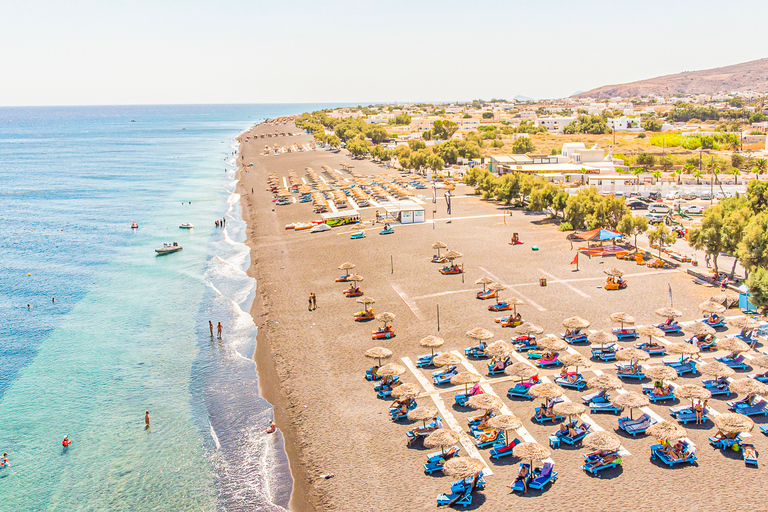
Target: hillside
[[738, 77]]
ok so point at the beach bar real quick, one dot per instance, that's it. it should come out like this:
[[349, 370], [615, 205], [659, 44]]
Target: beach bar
[[405, 212]]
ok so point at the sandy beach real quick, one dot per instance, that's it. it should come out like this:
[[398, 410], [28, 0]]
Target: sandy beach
[[311, 364]]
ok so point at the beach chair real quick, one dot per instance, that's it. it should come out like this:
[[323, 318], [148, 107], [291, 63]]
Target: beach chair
[[581, 431], [670, 328], [494, 369], [541, 418], [519, 484], [578, 383], [444, 377], [421, 432], [488, 294], [594, 463], [605, 353], [653, 350], [716, 387], [463, 498], [357, 234], [426, 360], [667, 395], [720, 322], [524, 346], [461, 398], [435, 461], [749, 338], [370, 374], [500, 450], [749, 454], [599, 395], [760, 407], [625, 334], [684, 414], [724, 443], [636, 426], [520, 390], [625, 371], [497, 438], [397, 413], [601, 404], [500, 306], [760, 377], [462, 485], [688, 457], [575, 337], [552, 361], [543, 476], [737, 363], [476, 352], [380, 386], [682, 365]]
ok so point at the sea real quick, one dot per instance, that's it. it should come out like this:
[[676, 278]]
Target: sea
[[96, 329]]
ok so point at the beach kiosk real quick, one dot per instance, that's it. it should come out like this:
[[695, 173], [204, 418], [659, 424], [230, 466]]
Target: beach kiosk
[[745, 304], [334, 219], [405, 212]]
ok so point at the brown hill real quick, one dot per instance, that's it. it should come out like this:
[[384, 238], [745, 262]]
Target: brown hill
[[738, 77]]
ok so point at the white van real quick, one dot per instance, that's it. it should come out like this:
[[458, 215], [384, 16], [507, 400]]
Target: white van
[[659, 208]]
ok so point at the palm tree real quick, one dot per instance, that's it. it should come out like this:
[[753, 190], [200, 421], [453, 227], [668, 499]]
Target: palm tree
[[657, 175], [736, 173], [757, 172], [697, 175], [761, 164], [637, 171], [679, 173]]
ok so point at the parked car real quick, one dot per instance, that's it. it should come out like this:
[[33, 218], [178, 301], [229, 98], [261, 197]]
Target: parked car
[[637, 205], [632, 194], [673, 195], [705, 196], [654, 218], [646, 200], [693, 208], [689, 196], [659, 208], [655, 194]]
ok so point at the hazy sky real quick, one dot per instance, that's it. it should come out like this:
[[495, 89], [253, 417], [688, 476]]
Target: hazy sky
[[59, 52]]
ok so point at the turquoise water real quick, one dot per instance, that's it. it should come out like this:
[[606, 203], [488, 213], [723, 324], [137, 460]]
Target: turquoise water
[[128, 331]]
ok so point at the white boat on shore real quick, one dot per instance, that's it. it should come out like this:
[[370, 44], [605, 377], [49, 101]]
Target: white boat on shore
[[168, 249], [187, 225]]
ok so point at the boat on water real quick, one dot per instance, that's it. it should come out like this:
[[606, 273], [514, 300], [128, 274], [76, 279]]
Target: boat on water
[[168, 249], [187, 225]]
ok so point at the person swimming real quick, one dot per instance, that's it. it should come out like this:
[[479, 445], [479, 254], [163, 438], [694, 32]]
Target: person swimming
[[272, 427], [66, 442], [4, 462]]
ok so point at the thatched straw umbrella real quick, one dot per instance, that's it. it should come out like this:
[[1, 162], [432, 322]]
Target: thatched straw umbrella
[[744, 322], [553, 344], [528, 329], [569, 409], [453, 255], [441, 438], [498, 349], [446, 359], [514, 302], [749, 387], [505, 422], [604, 382], [485, 402], [463, 467], [669, 312], [432, 342], [698, 329], [465, 378], [546, 390], [478, 333], [569, 359], [692, 392], [530, 451], [602, 337], [366, 301], [661, 373], [666, 431], [390, 370], [497, 287], [630, 401], [602, 440], [576, 322], [711, 307], [614, 272], [422, 413], [406, 391], [378, 353], [716, 369], [650, 331], [733, 345], [683, 349], [438, 246], [522, 370], [347, 266], [632, 355], [484, 281], [733, 423], [356, 278], [761, 361], [385, 317], [622, 318]]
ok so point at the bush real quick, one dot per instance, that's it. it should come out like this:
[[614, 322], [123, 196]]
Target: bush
[[565, 226], [641, 135]]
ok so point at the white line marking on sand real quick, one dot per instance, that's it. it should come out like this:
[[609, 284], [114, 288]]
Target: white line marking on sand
[[511, 287], [408, 302], [573, 289]]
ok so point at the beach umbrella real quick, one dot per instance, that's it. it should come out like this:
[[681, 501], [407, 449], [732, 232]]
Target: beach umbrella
[[748, 387], [485, 402], [734, 345], [438, 246], [744, 322], [682, 348], [406, 391], [528, 329], [569, 409], [505, 422], [347, 266], [666, 431], [497, 287], [446, 359], [546, 390], [602, 337], [630, 401], [530, 451], [571, 359], [463, 467], [614, 272], [465, 378], [761, 361], [660, 373], [604, 382], [698, 328], [422, 413], [484, 281], [514, 302], [441, 438], [478, 333], [390, 370], [498, 349], [385, 317], [669, 312], [575, 322], [622, 318], [650, 331], [453, 255], [432, 342], [366, 301], [692, 392], [733, 423], [354, 277], [716, 369], [378, 353], [552, 343], [632, 354], [602, 440], [711, 307], [522, 370]]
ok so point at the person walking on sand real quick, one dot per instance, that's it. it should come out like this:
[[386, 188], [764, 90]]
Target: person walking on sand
[[724, 284], [219, 330], [309, 306], [210, 326], [314, 301]]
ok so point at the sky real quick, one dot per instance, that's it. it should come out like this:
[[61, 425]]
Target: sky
[[70, 52]]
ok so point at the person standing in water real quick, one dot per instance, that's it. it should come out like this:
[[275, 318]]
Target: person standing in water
[[146, 420], [210, 326], [66, 442], [219, 330], [4, 462]]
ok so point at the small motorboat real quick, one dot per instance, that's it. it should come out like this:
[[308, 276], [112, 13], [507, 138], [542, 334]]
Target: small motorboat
[[187, 225], [168, 249]]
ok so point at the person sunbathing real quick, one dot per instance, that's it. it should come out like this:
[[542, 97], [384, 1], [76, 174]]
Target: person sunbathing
[[546, 411], [449, 454], [499, 365], [668, 321], [482, 418], [602, 459], [401, 406], [480, 346], [569, 333], [518, 318], [567, 429], [522, 476], [721, 382], [631, 368], [659, 389], [748, 451], [569, 377], [713, 318], [476, 390], [490, 436], [652, 343]]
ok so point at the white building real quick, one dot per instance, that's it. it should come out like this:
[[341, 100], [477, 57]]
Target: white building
[[554, 124], [625, 124]]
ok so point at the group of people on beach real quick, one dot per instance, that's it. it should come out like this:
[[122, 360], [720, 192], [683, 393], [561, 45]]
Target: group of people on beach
[[218, 328], [221, 223]]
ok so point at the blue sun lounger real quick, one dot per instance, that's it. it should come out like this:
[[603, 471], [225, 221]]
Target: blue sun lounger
[[576, 337], [545, 476], [720, 322], [749, 454], [606, 406], [370, 374], [397, 414], [671, 328], [485, 444], [461, 398], [648, 390], [412, 435], [750, 338], [520, 390], [624, 371], [598, 395], [435, 461], [716, 387], [463, 485], [426, 360], [689, 455], [760, 407], [636, 426], [685, 413], [519, 484], [737, 363], [500, 450], [625, 334], [378, 387], [524, 346], [655, 350], [682, 365], [759, 377], [581, 432], [594, 463], [542, 419], [498, 371], [476, 352], [444, 377], [578, 384], [605, 353], [724, 443]]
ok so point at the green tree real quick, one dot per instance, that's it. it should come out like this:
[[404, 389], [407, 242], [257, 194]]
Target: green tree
[[753, 249], [523, 145], [443, 129], [379, 153], [666, 163], [377, 134], [662, 236], [359, 147], [416, 145], [487, 115], [560, 201], [474, 176], [761, 164], [738, 161], [401, 120], [427, 135], [632, 225], [710, 236], [646, 160], [757, 192], [758, 287], [498, 143], [333, 141], [652, 125], [737, 215], [736, 173], [435, 163]]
